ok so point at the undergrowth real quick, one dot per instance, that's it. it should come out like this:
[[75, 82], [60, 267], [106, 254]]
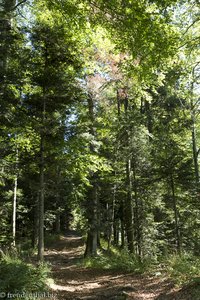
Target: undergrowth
[[116, 259], [17, 276], [183, 269]]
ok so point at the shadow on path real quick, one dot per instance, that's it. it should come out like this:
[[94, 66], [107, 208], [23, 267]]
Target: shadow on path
[[73, 282]]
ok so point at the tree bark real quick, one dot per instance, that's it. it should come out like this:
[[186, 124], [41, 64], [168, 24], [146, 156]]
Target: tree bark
[[41, 204], [194, 139], [137, 216], [128, 209], [176, 218], [14, 211], [15, 202], [116, 232], [122, 234], [36, 222], [111, 214], [42, 188], [58, 222], [194, 150], [91, 244], [118, 103], [7, 7]]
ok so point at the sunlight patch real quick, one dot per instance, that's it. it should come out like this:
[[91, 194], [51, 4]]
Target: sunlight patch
[[78, 287]]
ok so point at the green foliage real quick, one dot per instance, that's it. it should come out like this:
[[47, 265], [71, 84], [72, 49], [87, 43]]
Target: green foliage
[[24, 249], [183, 269], [130, 148], [18, 276], [116, 259]]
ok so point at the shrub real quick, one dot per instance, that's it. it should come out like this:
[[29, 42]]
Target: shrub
[[183, 269], [17, 276], [116, 259]]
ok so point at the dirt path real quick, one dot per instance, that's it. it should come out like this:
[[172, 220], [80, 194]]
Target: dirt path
[[74, 282]]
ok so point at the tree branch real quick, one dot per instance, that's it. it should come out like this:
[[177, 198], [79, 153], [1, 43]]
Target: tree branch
[[18, 4], [195, 21]]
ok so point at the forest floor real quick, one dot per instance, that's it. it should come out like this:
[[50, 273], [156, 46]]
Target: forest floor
[[73, 282]]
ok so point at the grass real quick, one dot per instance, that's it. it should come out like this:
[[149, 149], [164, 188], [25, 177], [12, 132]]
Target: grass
[[17, 276], [116, 259], [183, 269]]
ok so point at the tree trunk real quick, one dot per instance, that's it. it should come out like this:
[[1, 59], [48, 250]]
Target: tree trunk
[[116, 232], [15, 202], [195, 151], [14, 212], [92, 235], [122, 234], [58, 212], [41, 204], [111, 218], [176, 218], [194, 139], [92, 210], [58, 222], [7, 6], [36, 222], [137, 216], [91, 244], [128, 209], [118, 104], [42, 188]]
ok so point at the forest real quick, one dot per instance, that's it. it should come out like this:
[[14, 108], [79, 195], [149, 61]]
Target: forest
[[100, 146]]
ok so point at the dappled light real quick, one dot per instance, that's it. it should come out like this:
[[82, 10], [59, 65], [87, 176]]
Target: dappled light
[[73, 281], [100, 149]]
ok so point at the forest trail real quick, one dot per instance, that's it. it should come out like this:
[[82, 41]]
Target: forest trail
[[73, 282]]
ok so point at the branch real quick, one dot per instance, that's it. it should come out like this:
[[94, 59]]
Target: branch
[[195, 21], [18, 4]]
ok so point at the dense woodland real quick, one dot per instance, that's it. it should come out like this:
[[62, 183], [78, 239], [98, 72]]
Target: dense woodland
[[99, 123]]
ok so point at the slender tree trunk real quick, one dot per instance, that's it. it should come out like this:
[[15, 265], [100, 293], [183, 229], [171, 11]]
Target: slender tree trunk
[[194, 139], [2, 174], [176, 218], [36, 222], [41, 204], [58, 222], [91, 244], [116, 232], [149, 118], [128, 209], [118, 104], [128, 205], [111, 218], [42, 188], [58, 213], [195, 151], [7, 6], [15, 202], [137, 217], [122, 234], [14, 211]]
